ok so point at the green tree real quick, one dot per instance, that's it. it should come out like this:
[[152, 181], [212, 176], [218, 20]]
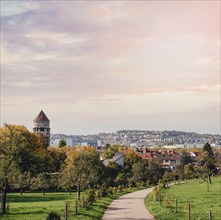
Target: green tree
[[62, 143], [111, 171], [20, 181], [16, 144], [67, 178], [42, 181], [140, 171], [207, 162], [185, 159], [58, 157], [207, 148], [155, 170], [109, 151]]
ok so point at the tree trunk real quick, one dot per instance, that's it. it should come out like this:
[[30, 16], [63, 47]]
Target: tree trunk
[[209, 177], [4, 192], [79, 191], [21, 191], [208, 174], [43, 191], [70, 191], [1, 198], [207, 182]]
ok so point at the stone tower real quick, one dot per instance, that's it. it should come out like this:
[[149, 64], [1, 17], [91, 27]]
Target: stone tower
[[42, 125]]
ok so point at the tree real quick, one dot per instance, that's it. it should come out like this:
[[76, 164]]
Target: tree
[[140, 171], [20, 181], [42, 181], [185, 159], [110, 151], [87, 166], [207, 148], [130, 157], [62, 143], [16, 143], [207, 161], [155, 170], [67, 178], [20, 152], [111, 171], [58, 156]]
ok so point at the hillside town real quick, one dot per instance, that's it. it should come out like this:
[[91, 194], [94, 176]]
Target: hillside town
[[137, 138]]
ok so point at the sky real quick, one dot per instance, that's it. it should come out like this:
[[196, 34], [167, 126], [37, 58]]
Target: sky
[[103, 66]]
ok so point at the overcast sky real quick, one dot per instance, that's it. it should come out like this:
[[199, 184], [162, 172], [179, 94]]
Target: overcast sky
[[100, 66]]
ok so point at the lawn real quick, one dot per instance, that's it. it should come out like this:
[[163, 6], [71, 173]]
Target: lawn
[[35, 206], [195, 192]]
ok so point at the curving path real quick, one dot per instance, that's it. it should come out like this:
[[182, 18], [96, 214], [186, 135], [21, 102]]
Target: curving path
[[130, 206]]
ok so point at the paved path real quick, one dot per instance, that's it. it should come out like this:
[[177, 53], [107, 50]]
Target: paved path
[[130, 206]]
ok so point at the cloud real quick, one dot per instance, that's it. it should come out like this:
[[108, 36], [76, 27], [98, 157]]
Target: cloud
[[99, 53]]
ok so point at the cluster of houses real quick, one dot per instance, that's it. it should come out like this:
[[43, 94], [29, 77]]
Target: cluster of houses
[[168, 158]]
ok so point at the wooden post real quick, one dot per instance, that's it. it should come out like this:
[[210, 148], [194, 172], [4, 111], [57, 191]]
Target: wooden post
[[176, 205], [188, 210], [66, 211], [76, 207], [83, 201], [210, 215]]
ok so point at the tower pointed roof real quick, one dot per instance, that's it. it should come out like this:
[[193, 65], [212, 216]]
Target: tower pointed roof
[[41, 117]]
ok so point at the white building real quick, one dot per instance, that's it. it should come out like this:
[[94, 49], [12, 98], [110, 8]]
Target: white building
[[118, 158]]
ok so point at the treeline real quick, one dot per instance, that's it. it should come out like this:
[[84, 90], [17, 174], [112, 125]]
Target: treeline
[[27, 163]]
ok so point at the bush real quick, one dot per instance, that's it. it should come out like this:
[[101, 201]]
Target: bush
[[98, 194], [167, 202], [110, 190], [129, 186], [120, 188], [103, 192], [155, 193], [90, 196], [53, 216], [115, 190]]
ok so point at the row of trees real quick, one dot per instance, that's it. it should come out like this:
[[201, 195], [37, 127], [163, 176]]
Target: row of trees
[[26, 162]]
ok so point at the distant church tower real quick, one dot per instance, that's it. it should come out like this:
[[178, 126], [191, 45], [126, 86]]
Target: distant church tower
[[42, 124]]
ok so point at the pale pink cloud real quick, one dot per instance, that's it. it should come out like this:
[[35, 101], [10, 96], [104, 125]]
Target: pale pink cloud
[[80, 51]]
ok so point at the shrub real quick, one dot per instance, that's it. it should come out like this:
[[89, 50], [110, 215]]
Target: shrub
[[115, 190], [120, 188], [103, 192], [167, 202], [98, 194], [138, 184], [90, 196], [53, 216], [110, 190], [130, 186], [155, 193]]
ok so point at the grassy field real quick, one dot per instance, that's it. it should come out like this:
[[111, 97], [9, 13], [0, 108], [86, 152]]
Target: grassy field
[[35, 206], [195, 192]]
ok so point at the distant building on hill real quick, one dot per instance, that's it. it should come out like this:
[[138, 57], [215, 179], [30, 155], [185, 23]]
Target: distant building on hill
[[42, 125]]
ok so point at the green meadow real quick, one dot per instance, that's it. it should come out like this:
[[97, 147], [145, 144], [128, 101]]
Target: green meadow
[[196, 193], [35, 206]]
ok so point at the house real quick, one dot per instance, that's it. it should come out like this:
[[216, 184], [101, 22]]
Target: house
[[118, 158], [168, 158]]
